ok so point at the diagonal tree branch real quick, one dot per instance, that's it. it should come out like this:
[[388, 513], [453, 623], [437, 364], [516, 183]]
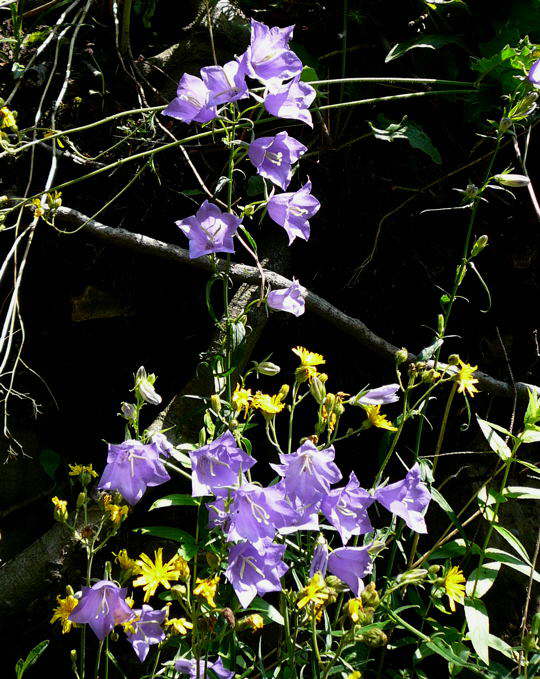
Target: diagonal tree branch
[[250, 274]]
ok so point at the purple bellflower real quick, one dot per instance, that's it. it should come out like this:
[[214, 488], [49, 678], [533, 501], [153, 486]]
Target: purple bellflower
[[291, 299], [102, 606], [319, 563], [380, 395], [148, 630], [209, 230], [408, 499], [162, 443], [255, 569], [293, 210], [268, 57], [346, 509], [225, 83], [308, 473], [191, 101], [131, 467], [291, 100], [273, 157], [218, 465], [534, 73], [351, 564], [197, 669]]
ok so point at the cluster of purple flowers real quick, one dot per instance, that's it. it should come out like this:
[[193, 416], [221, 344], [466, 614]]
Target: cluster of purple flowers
[[252, 517], [269, 60]]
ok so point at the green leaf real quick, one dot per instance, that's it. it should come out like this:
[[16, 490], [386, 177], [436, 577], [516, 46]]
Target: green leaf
[[501, 646], [478, 624], [255, 186], [418, 139], [496, 443], [267, 610], [188, 546], [175, 500], [522, 492], [481, 579], [308, 74], [513, 542], [441, 648], [50, 461], [443, 504], [512, 562], [425, 41], [530, 435], [31, 658]]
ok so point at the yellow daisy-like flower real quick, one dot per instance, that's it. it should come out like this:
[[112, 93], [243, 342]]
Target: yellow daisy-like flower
[[179, 625], [180, 565], [206, 588], [354, 609], [315, 595], [376, 419], [117, 513], [241, 399], [269, 405], [464, 378], [253, 622], [354, 675], [7, 118], [125, 562], [60, 508], [308, 360], [63, 611], [454, 586], [80, 469], [155, 573]]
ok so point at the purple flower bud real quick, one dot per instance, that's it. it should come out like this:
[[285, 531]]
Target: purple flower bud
[[255, 569], [346, 509], [144, 384], [351, 564], [209, 230], [191, 101], [197, 669], [534, 73], [148, 630], [408, 499], [102, 606], [319, 563], [292, 211], [291, 299], [225, 83], [273, 157], [131, 467], [381, 395], [291, 100]]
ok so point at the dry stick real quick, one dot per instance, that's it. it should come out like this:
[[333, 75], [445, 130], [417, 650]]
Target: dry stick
[[528, 598], [250, 274], [530, 188]]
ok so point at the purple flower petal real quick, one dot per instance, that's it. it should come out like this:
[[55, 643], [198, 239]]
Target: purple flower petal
[[274, 156], [191, 102], [102, 606], [346, 509], [381, 395], [210, 230], [408, 499], [148, 630], [351, 564], [291, 299], [293, 210], [292, 100]]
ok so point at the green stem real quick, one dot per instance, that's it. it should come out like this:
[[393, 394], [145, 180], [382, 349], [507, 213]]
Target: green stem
[[314, 640], [392, 97], [125, 45]]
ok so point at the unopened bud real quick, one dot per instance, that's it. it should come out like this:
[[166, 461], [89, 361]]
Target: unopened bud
[[329, 402], [284, 391], [374, 638], [215, 402], [178, 591], [317, 389], [401, 355], [229, 617], [505, 125], [413, 576], [128, 411], [212, 560], [144, 384], [479, 246], [433, 570], [512, 180], [370, 596], [336, 584], [81, 499], [453, 359], [267, 368]]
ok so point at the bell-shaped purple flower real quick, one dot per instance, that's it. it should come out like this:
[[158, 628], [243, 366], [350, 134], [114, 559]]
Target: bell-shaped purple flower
[[102, 606], [162, 444], [351, 564], [308, 473], [255, 569], [346, 509], [408, 499], [293, 210], [198, 669], [291, 299], [273, 157], [209, 230], [131, 467], [319, 562], [218, 465], [381, 395], [534, 73], [291, 100], [225, 83], [268, 57], [192, 101], [148, 630]]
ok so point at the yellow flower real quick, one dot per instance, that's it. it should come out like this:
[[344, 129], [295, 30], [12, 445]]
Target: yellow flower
[[241, 399], [63, 611], [269, 405], [376, 419], [125, 562], [354, 609], [454, 586], [354, 675], [315, 595], [129, 625], [308, 361], [253, 622], [179, 625], [60, 508], [153, 574], [206, 588], [117, 513], [464, 378], [80, 469], [8, 118], [181, 567]]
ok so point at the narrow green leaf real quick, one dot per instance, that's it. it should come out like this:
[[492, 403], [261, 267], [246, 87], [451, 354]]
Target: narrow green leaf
[[188, 547], [267, 609], [481, 579], [424, 41], [512, 562], [175, 500], [496, 443], [513, 542], [523, 492], [478, 624], [31, 658]]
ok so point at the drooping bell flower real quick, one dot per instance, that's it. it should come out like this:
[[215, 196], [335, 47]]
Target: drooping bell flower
[[162, 443], [351, 564], [102, 606], [291, 299], [225, 83], [131, 467], [308, 473], [293, 210], [381, 395], [274, 156], [408, 499], [209, 230], [346, 509], [292, 101], [218, 465], [534, 73], [268, 57], [198, 669], [145, 630], [192, 101], [255, 569]]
